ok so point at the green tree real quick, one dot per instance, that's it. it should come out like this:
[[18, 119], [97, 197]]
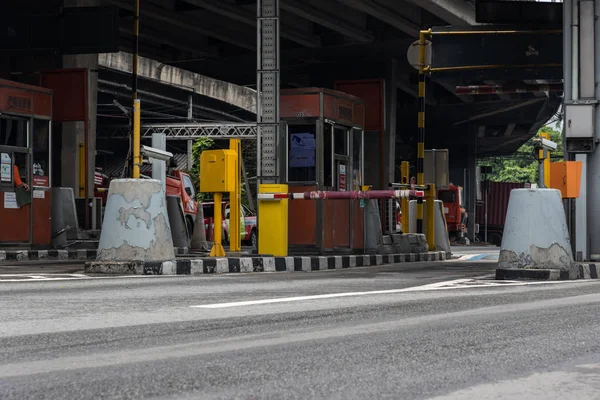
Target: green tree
[[522, 166]]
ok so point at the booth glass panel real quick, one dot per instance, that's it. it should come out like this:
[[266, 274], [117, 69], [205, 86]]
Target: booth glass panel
[[41, 153], [13, 132], [341, 141], [328, 156], [302, 153]]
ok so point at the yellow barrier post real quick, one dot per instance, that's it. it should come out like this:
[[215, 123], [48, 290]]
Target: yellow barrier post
[[82, 170], [273, 222], [235, 200], [546, 161], [430, 206], [404, 175], [137, 158], [217, 249]]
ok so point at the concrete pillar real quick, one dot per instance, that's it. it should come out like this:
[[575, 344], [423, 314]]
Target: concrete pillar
[[593, 159], [73, 132], [391, 104], [470, 189]]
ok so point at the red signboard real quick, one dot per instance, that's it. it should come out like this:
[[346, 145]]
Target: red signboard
[[18, 98]]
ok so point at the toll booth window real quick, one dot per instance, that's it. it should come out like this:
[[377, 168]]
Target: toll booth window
[[328, 156], [13, 132], [20, 160], [341, 141], [302, 148], [357, 158], [41, 153]]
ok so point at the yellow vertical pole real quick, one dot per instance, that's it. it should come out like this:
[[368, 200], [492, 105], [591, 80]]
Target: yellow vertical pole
[[546, 161], [217, 249], [421, 125], [430, 206], [235, 201], [404, 172], [137, 158], [82, 170]]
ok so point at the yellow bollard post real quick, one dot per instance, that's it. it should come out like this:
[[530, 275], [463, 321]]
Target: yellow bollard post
[[273, 222], [217, 249], [404, 175], [137, 158], [546, 160], [430, 205], [235, 240]]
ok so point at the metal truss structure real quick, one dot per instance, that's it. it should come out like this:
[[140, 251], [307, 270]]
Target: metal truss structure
[[268, 82], [189, 131]]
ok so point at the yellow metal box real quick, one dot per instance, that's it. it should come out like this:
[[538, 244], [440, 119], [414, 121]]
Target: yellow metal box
[[217, 171], [566, 177], [273, 222]]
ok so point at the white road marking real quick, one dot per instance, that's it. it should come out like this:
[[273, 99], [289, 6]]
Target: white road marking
[[447, 285], [71, 277]]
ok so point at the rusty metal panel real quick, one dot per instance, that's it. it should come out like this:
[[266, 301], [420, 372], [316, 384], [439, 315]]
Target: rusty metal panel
[[69, 86]]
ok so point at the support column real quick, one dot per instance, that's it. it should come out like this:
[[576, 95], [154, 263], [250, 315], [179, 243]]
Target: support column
[[267, 113], [389, 150], [73, 132], [470, 189], [593, 159]]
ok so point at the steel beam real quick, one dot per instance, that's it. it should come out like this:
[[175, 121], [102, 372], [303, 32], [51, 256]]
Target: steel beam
[[188, 131], [382, 13], [241, 15], [311, 13], [227, 92], [454, 12], [268, 84]]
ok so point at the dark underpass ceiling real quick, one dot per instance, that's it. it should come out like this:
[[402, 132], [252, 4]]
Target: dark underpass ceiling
[[321, 41]]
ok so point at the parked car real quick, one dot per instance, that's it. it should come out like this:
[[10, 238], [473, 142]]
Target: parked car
[[248, 226]]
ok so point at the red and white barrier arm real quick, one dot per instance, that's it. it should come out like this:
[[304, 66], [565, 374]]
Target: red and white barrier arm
[[353, 195]]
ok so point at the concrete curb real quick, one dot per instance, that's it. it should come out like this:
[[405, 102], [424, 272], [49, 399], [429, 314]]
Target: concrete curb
[[60, 255], [32, 255], [581, 271], [198, 266]]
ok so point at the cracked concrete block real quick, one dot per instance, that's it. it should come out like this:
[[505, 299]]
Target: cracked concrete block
[[536, 235], [136, 224]]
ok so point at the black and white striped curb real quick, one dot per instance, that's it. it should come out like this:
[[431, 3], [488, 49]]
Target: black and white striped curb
[[256, 264], [29, 255], [60, 255], [581, 271]]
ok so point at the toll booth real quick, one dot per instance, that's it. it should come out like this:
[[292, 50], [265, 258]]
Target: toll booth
[[323, 137], [25, 150]]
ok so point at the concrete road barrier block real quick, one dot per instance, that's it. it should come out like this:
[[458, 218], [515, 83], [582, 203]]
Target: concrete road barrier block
[[136, 224], [536, 235]]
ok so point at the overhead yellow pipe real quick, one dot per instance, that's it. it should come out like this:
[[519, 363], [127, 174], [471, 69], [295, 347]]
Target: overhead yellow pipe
[[485, 67], [496, 32]]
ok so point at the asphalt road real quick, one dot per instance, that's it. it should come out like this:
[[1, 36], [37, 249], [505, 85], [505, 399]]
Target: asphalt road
[[412, 331]]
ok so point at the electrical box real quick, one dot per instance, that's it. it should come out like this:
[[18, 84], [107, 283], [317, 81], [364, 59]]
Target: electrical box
[[579, 120], [217, 171], [566, 177], [436, 169]]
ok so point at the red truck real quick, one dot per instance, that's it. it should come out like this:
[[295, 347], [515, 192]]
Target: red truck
[[178, 184], [248, 226], [497, 198], [456, 215]]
